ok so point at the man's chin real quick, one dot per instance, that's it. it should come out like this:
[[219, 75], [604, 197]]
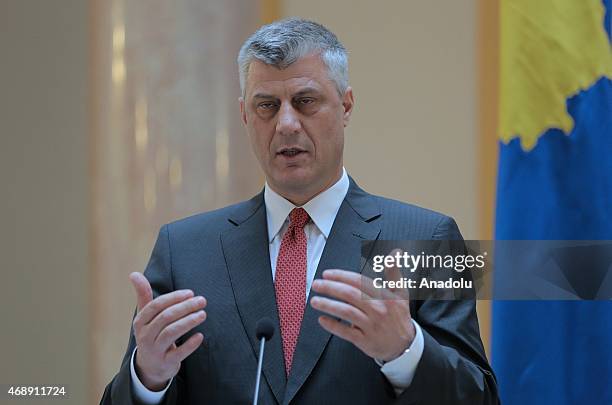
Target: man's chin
[[297, 182]]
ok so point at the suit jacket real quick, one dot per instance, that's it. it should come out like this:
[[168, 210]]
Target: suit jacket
[[223, 255]]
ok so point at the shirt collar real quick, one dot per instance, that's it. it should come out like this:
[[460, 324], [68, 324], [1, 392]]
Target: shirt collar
[[322, 209]]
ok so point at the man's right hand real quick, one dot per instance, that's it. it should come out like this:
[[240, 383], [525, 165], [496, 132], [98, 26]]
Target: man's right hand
[[158, 324]]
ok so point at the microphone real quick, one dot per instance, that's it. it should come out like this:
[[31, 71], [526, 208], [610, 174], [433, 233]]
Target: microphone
[[263, 331]]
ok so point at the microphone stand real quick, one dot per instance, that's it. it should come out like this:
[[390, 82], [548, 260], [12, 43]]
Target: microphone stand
[[262, 345]]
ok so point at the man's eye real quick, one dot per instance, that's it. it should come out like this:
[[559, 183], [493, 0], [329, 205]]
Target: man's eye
[[305, 101], [266, 106]]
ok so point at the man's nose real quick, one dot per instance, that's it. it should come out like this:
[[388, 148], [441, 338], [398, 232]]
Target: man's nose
[[288, 120]]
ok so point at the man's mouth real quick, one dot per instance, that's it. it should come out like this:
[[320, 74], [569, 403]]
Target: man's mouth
[[290, 152]]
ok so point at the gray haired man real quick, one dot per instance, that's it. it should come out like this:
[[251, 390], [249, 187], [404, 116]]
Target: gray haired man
[[292, 254]]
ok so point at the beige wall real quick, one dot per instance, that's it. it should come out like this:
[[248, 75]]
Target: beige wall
[[44, 203], [412, 69]]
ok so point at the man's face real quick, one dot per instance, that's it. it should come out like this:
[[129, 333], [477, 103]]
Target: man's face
[[295, 120]]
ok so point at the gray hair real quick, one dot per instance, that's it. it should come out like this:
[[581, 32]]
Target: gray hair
[[283, 42]]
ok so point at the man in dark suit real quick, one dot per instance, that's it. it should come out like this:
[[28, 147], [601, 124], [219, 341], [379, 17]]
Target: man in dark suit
[[211, 277]]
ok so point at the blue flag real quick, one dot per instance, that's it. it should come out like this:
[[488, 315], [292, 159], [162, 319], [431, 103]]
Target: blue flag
[[554, 182]]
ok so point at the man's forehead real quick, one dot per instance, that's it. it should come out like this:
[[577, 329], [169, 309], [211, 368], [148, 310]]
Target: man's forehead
[[307, 73], [294, 86]]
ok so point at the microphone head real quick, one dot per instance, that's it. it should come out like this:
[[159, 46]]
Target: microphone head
[[264, 329]]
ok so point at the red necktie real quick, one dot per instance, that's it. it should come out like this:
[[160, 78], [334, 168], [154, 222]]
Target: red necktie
[[290, 282]]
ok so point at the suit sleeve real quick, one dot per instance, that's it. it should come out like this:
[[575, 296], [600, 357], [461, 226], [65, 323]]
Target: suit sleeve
[[159, 274], [453, 368]]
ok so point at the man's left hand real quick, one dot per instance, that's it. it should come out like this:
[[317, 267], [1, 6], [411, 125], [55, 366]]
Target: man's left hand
[[379, 321]]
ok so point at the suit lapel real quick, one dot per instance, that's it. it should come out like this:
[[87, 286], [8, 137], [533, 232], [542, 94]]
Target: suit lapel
[[247, 256], [354, 223]]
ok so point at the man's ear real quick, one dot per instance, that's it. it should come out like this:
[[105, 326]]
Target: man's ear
[[348, 102], [242, 110]]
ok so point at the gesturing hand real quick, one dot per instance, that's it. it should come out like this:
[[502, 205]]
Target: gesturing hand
[[158, 324], [381, 328]]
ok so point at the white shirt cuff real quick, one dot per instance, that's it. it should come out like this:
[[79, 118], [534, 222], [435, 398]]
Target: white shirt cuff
[[142, 393], [400, 371]]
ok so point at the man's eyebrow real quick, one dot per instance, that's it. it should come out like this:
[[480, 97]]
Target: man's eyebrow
[[302, 92], [306, 91], [263, 95]]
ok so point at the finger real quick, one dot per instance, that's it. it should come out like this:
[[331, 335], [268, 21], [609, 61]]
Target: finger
[[351, 278], [369, 307], [144, 294], [363, 283], [150, 311], [353, 335], [393, 273], [175, 312], [180, 353], [340, 310], [342, 291], [177, 329]]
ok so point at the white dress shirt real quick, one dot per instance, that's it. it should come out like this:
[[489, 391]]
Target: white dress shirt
[[322, 210]]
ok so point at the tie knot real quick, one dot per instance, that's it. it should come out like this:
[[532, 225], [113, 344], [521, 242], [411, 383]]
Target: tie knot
[[299, 217]]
